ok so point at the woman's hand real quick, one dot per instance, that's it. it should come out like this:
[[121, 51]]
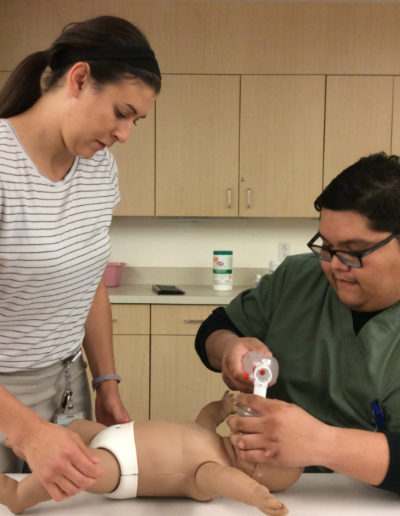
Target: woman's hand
[[64, 465], [108, 406], [232, 357], [283, 435]]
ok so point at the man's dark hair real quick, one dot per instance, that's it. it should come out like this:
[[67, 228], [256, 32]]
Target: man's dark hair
[[371, 187]]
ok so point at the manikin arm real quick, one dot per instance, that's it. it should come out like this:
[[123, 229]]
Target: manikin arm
[[216, 412], [214, 480]]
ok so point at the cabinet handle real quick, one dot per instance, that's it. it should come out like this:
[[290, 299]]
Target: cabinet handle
[[193, 321], [248, 198], [229, 197], [114, 320]]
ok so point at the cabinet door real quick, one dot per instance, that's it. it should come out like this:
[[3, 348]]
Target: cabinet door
[[197, 135], [358, 120], [136, 169], [396, 118], [281, 145], [132, 353], [180, 385]]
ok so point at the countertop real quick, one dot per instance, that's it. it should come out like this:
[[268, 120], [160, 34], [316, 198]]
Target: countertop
[[194, 295], [324, 494]]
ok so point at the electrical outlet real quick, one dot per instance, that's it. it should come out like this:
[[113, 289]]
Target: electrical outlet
[[283, 250]]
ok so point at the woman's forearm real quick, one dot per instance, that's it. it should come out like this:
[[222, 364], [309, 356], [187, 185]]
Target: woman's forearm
[[16, 418], [98, 334]]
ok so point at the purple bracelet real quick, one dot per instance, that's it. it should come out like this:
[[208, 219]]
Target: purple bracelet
[[96, 382]]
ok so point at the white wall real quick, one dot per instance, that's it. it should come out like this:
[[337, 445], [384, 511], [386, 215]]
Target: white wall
[[180, 242]]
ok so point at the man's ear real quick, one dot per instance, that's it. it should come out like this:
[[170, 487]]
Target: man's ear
[[78, 78]]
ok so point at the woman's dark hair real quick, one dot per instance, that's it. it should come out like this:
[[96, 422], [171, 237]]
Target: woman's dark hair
[[371, 187], [26, 83]]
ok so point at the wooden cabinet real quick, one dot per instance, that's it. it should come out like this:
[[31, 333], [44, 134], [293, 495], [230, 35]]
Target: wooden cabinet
[[197, 134], [358, 120], [226, 46], [396, 117], [231, 37], [285, 159], [131, 337], [131, 328], [162, 376], [136, 169], [180, 384], [281, 145]]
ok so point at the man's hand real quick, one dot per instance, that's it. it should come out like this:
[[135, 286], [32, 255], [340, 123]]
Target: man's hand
[[283, 435], [232, 368]]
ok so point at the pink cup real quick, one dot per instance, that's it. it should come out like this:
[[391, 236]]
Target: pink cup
[[112, 274]]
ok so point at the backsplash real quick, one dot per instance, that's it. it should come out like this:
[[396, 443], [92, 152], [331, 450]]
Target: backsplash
[[189, 243]]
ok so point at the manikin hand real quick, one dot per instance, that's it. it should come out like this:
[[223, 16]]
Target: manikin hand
[[60, 459], [283, 435], [232, 370]]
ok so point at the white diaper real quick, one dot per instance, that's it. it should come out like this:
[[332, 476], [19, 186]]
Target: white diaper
[[120, 441]]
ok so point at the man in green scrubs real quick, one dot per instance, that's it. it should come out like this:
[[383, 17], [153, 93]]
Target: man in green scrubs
[[332, 320]]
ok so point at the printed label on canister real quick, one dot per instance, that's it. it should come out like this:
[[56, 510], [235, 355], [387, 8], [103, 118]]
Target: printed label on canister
[[222, 270]]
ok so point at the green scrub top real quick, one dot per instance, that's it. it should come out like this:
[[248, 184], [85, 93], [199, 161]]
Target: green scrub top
[[324, 366]]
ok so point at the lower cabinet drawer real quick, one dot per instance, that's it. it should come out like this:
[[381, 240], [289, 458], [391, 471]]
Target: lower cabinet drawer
[[130, 319], [178, 319]]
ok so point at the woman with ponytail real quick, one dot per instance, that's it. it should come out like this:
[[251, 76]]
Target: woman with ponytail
[[59, 112]]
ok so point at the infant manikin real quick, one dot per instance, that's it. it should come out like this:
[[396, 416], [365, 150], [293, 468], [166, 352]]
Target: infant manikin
[[188, 460]]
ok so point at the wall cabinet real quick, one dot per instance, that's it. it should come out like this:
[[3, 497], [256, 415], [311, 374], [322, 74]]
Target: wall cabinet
[[225, 47], [281, 145], [197, 134], [254, 146], [180, 384], [358, 120], [236, 37], [198, 147], [136, 169], [396, 117]]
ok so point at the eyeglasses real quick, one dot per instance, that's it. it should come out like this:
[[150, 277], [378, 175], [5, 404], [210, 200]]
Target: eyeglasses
[[349, 258]]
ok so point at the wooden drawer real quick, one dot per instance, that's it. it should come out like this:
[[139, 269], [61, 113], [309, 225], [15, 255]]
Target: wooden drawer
[[178, 319], [131, 319]]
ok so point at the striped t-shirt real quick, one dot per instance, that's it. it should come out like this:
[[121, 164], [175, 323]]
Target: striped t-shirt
[[54, 245]]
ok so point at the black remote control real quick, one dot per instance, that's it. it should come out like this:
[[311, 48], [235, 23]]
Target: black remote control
[[167, 290]]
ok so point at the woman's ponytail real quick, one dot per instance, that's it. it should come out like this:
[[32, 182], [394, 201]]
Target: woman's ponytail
[[23, 88], [118, 37]]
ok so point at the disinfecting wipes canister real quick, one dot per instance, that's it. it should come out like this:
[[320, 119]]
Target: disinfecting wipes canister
[[222, 270]]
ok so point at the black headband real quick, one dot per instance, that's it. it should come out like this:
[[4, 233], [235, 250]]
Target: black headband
[[139, 57]]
